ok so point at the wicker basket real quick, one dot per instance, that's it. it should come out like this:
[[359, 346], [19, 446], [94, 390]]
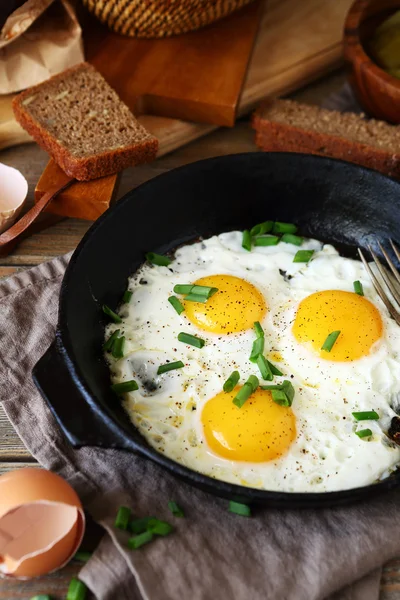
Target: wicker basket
[[160, 18]]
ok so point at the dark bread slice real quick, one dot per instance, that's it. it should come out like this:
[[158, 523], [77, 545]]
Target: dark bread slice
[[82, 123], [288, 126]]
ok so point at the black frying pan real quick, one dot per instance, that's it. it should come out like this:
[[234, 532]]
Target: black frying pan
[[329, 200]]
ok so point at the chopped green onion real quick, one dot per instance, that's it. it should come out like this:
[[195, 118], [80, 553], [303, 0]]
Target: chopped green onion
[[363, 433], [196, 298], [123, 517], [267, 240], [358, 288], [261, 228], [258, 329], [289, 238], [139, 525], [246, 240], [192, 340], [274, 369], [175, 509], [137, 541], [280, 227], [41, 597], [368, 415], [257, 349], [110, 313], [245, 392], [159, 527], [125, 386], [239, 509], [170, 367], [76, 590], [158, 259], [303, 256], [282, 393], [127, 296], [118, 347], [183, 288], [173, 300], [264, 367], [83, 556], [330, 341], [110, 342], [231, 382], [203, 290]]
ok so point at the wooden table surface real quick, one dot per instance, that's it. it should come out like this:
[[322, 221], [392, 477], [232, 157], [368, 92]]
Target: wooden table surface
[[63, 237]]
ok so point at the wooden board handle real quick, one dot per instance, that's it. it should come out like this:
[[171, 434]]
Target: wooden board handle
[[24, 222]]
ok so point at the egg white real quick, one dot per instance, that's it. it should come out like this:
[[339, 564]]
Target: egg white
[[326, 454]]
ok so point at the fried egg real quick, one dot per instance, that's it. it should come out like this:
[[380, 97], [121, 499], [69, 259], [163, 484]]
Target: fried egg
[[310, 446]]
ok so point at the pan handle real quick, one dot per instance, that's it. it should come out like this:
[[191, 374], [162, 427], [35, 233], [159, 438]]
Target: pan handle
[[82, 422]]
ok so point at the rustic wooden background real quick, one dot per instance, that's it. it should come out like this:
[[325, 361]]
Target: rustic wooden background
[[63, 237]]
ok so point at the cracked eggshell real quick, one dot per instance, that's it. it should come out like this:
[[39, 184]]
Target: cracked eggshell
[[13, 191], [41, 523]]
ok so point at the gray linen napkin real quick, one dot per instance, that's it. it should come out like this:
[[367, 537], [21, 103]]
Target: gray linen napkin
[[213, 554]]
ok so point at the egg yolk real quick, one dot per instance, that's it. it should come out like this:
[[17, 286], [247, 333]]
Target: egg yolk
[[357, 319], [258, 432], [235, 306]]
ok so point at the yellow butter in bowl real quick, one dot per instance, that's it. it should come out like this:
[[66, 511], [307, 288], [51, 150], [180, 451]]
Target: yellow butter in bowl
[[385, 45]]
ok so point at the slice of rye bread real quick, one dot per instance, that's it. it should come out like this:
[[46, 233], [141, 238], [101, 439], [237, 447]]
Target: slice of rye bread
[[288, 126], [81, 122]]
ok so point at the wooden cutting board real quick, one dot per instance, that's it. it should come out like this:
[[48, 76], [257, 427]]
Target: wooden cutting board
[[296, 43]]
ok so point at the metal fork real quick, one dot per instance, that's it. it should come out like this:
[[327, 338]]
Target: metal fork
[[386, 278]]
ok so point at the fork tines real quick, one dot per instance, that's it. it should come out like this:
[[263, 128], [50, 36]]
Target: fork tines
[[392, 301]]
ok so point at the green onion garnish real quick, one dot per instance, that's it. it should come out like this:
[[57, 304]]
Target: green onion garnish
[[139, 525], [76, 590], [267, 240], [358, 288], [192, 340], [245, 392], [110, 313], [159, 527], [330, 341], [246, 240], [137, 541], [303, 256], [203, 290], [231, 382], [173, 300], [261, 228], [196, 298], [41, 597], [282, 393], [175, 509], [183, 288], [110, 342], [123, 517], [83, 556], [368, 415], [363, 433], [127, 296], [280, 227], [239, 509], [264, 367], [274, 369], [289, 238], [258, 329], [257, 349], [118, 347], [158, 259], [125, 386], [170, 367]]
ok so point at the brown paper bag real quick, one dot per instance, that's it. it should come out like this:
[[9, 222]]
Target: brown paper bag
[[38, 40]]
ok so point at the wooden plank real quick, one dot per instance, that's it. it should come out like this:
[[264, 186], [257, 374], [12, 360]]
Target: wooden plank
[[11, 447], [195, 77]]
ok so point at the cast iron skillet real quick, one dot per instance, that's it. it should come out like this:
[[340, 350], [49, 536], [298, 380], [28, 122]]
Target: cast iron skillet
[[329, 200]]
